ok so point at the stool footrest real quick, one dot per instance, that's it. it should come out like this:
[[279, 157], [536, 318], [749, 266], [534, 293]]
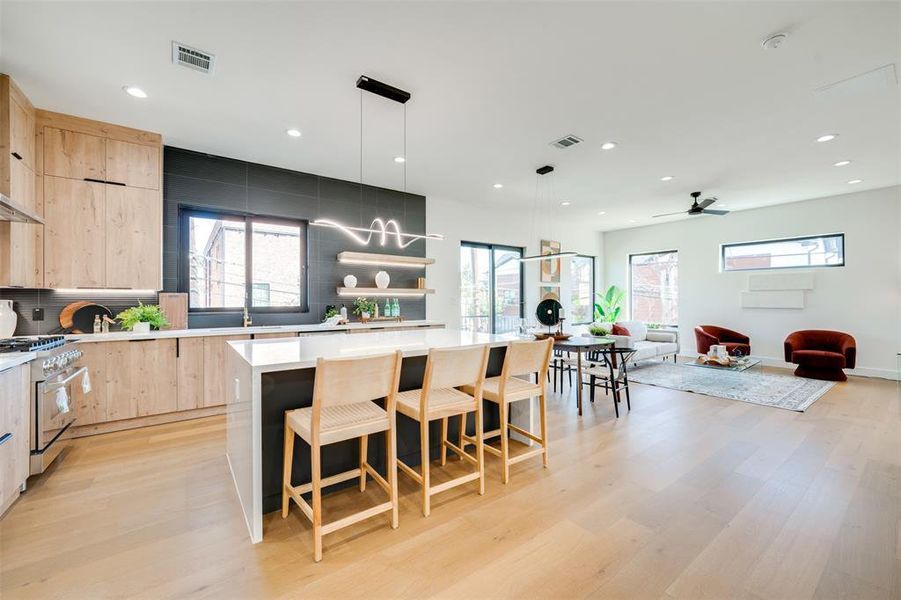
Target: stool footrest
[[356, 517], [377, 477], [461, 453], [437, 489], [525, 433], [525, 455], [409, 471], [327, 481]]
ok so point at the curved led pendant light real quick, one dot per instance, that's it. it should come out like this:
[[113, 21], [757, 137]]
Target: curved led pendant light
[[544, 171], [380, 227]]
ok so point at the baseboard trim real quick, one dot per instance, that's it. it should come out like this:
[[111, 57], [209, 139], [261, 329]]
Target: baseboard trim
[[770, 361], [111, 426]]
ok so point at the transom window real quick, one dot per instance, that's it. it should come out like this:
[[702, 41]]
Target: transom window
[[230, 262], [789, 253]]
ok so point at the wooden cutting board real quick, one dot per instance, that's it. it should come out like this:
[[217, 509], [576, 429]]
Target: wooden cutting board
[[175, 307]]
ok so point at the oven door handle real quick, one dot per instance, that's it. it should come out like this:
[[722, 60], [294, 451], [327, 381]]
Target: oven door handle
[[58, 384]]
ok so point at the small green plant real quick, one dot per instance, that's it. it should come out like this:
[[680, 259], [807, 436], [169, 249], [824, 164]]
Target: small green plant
[[599, 329], [330, 311], [364, 305], [609, 305], [142, 313]]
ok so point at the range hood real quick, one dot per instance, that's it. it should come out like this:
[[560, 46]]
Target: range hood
[[13, 211]]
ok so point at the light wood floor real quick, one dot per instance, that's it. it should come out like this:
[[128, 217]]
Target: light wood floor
[[686, 497]]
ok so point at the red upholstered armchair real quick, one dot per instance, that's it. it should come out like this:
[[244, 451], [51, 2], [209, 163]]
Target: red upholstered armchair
[[821, 354], [711, 335]]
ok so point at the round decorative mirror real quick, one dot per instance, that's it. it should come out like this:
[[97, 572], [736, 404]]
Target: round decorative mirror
[[548, 312]]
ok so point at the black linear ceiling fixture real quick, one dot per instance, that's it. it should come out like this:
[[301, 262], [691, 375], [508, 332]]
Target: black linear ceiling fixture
[[382, 89]]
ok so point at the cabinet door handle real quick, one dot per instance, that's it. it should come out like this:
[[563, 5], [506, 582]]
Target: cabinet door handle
[[114, 183], [16, 155], [93, 180], [5, 438]]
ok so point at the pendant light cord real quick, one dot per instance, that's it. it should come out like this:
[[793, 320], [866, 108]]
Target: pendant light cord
[[361, 146]]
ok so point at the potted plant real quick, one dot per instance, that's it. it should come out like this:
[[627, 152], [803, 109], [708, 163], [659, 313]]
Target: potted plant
[[599, 329], [142, 317], [609, 305], [364, 308]]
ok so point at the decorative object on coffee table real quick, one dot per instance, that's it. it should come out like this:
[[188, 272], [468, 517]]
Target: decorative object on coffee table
[[730, 363], [821, 354]]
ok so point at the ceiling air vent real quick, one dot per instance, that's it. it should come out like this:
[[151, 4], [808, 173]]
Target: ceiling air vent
[[192, 58], [566, 142]]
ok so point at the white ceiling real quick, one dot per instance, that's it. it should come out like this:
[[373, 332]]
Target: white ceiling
[[684, 88]]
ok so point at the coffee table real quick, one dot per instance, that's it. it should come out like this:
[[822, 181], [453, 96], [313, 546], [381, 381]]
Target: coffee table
[[742, 364]]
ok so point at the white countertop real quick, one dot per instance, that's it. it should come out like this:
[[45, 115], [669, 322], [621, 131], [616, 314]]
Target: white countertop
[[14, 359], [302, 352], [212, 331]]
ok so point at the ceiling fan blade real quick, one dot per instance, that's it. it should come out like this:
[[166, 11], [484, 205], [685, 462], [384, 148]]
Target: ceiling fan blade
[[716, 212], [681, 212], [706, 202]]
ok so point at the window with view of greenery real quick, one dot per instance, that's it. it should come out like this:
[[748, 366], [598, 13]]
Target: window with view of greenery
[[233, 261], [654, 287], [490, 288], [581, 289], [792, 253]]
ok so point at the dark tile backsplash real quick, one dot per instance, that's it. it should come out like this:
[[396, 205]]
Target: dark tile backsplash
[[193, 179]]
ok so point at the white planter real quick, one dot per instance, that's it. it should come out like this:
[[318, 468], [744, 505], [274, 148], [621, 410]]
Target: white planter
[[382, 279], [8, 319], [350, 281], [141, 328]]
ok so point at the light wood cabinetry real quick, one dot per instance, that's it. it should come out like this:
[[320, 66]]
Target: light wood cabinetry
[[190, 373], [74, 155], [21, 247], [116, 171], [214, 367], [135, 165], [75, 233], [141, 378], [14, 442], [93, 407], [134, 225]]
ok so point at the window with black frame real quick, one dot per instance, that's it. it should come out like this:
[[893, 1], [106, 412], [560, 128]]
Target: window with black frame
[[233, 261], [787, 253], [491, 287], [581, 289]]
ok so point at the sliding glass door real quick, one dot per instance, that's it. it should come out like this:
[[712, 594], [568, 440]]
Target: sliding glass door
[[490, 287]]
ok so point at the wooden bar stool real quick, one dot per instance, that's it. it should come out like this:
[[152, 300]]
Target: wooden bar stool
[[522, 358], [445, 370], [342, 409]]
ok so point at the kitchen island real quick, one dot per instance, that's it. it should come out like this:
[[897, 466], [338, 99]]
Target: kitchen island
[[267, 377]]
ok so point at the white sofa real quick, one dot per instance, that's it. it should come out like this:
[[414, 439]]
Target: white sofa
[[648, 343]]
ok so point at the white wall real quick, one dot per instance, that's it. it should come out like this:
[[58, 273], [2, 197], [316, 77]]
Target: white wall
[[496, 226], [863, 298]]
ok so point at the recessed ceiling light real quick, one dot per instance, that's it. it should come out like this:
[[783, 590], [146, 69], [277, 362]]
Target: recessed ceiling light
[[498, 186], [293, 132], [565, 203], [841, 163], [400, 159], [827, 137], [603, 212], [608, 145], [133, 90], [666, 178], [854, 181]]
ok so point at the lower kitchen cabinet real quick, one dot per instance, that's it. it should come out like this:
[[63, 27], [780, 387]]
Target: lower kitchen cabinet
[[214, 367], [14, 443], [190, 373], [92, 407], [141, 378]]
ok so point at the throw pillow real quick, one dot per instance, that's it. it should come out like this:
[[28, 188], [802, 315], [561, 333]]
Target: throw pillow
[[620, 330]]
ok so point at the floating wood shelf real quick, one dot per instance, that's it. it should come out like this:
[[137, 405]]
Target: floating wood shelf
[[371, 291], [392, 260]]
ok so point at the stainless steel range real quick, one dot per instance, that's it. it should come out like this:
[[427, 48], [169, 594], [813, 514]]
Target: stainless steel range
[[54, 376]]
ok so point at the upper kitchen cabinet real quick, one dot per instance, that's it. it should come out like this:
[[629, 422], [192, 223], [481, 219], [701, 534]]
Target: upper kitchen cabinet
[[21, 244], [102, 181], [74, 155], [135, 165]]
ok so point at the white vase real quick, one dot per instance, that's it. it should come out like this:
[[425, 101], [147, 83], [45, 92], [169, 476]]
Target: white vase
[[382, 280], [350, 281], [141, 328], [8, 319]]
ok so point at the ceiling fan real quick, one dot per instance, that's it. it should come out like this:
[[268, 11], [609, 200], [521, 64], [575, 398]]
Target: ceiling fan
[[698, 208]]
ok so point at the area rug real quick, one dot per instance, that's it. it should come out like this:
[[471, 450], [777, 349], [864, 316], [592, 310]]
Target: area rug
[[756, 387]]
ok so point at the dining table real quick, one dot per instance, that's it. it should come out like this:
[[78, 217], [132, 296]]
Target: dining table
[[581, 345]]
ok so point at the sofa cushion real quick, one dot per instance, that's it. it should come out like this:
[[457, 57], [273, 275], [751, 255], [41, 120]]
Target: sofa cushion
[[644, 350], [637, 329], [660, 336], [665, 348], [820, 359], [620, 330]]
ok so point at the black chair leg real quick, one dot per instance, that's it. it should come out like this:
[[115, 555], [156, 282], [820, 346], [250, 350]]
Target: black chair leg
[[591, 393], [615, 405]]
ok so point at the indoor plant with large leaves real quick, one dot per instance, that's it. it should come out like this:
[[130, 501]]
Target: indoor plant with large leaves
[[609, 305]]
